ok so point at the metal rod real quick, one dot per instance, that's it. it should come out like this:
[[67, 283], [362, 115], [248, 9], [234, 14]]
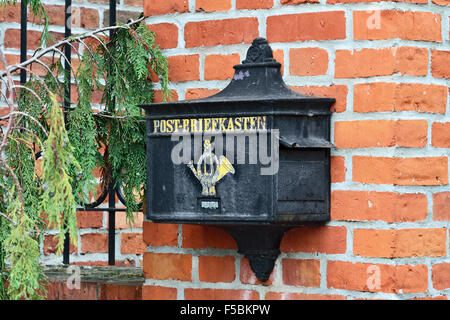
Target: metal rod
[[67, 51], [112, 189], [111, 225], [112, 15], [67, 79], [66, 250], [23, 40]]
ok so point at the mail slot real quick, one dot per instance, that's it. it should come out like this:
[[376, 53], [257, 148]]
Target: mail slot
[[253, 159]]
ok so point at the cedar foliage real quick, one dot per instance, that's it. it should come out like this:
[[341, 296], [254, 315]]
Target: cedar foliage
[[49, 152]]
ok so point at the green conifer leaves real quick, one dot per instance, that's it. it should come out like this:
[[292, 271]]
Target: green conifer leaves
[[69, 141], [58, 200]]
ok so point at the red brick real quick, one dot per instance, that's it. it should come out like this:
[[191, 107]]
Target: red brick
[[302, 296], [88, 291], [254, 4], [440, 64], [220, 67], [248, 276], [157, 96], [427, 171], [200, 237], [85, 18], [89, 219], [217, 32], [153, 76], [199, 93], [94, 43], [372, 206], [160, 234], [338, 169], [278, 55], [440, 274], [107, 1], [306, 26], [136, 3], [441, 2], [158, 293], [440, 134], [55, 15], [441, 206], [298, 1], [324, 239], [364, 63], [339, 92], [10, 60], [12, 38], [378, 170], [220, 294], [123, 223], [393, 278], [119, 292], [50, 243], [132, 243], [216, 269], [379, 62], [158, 7], [412, 61], [122, 16], [164, 266], [10, 13], [357, 1], [399, 243], [184, 68], [308, 61], [380, 133], [382, 96], [376, 96], [411, 133], [35, 68], [388, 24], [212, 5], [53, 290], [166, 35], [304, 273], [363, 134], [94, 243], [424, 171]]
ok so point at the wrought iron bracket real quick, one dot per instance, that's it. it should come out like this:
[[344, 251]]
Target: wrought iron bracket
[[260, 245]]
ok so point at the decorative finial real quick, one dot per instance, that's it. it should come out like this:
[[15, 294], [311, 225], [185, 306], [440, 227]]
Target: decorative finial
[[259, 51]]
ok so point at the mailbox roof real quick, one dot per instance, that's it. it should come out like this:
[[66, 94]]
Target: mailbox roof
[[257, 86]]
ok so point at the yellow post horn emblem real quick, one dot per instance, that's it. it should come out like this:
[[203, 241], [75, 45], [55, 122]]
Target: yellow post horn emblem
[[218, 168]]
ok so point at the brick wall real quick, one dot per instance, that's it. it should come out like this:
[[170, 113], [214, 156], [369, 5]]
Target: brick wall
[[387, 65], [93, 226]]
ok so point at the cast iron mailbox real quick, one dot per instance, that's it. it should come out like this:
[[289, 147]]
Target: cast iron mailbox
[[253, 159]]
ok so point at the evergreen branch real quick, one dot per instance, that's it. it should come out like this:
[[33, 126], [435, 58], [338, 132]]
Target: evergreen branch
[[10, 104], [69, 63], [69, 140], [45, 51], [32, 118]]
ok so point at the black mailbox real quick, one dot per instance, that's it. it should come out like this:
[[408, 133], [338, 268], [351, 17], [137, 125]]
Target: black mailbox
[[254, 159]]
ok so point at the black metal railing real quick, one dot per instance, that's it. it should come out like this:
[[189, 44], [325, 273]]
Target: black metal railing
[[109, 189]]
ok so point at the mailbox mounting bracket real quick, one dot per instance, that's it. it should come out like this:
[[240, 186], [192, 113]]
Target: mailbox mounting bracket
[[260, 245]]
